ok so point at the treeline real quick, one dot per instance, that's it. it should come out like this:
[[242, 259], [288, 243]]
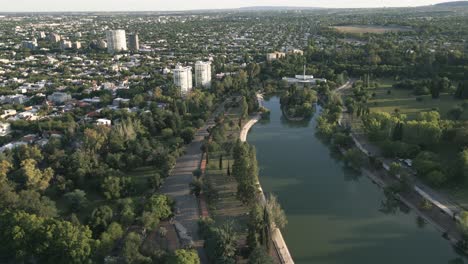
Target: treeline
[[298, 103], [76, 199]]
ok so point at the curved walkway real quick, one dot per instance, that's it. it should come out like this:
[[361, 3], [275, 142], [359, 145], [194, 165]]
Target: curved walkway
[[277, 238]]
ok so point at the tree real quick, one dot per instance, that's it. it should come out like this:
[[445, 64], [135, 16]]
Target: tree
[[155, 181], [260, 256], [5, 167], [256, 226], [27, 237], [196, 187], [76, 200], [188, 134], [149, 220], [183, 256], [395, 169], [32, 202], [221, 243], [276, 213], [159, 204], [463, 161], [108, 238], [354, 158], [245, 108], [101, 217], [111, 187], [221, 162], [127, 211], [34, 177], [131, 250]]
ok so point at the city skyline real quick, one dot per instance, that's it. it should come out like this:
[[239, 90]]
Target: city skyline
[[176, 5]]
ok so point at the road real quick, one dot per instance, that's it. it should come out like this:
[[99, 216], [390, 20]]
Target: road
[[177, 186]]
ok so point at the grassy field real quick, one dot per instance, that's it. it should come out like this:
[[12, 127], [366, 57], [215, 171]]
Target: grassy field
[[407, 104], [405, 101], [226, 207], [362, 29]]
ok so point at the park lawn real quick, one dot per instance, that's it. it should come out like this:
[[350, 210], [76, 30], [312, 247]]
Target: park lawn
[[227, 208], [407, 104], [405, 101]]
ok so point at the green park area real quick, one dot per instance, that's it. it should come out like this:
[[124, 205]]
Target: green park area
[[387, 99], [431, 134]]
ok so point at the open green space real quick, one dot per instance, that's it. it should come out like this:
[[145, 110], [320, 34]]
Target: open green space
[[361, 29], [409, 104]]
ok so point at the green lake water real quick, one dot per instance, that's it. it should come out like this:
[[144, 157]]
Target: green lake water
[[335, 214]]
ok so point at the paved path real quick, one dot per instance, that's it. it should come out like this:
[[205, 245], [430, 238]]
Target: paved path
[[177, 187], [278, 241]]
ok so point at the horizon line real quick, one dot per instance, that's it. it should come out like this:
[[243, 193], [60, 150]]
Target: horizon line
[[222, 9]]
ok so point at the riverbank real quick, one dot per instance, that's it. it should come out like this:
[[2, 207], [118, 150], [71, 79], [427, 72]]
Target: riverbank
[[278, 241], [443, 215]]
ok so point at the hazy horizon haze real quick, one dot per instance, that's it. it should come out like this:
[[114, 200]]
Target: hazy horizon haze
[[179, 5]]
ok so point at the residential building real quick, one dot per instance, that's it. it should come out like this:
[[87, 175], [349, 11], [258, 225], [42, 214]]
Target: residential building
[[134, 42], [203, 74], [5, 129], [29, 44], [117, 102], [116, 40], [183, 78], [296, 51], [102, 44], [59, 97], [103, 122], [65, 44], [41, 35], [53, 37], [77, 45], [275, 56], [7, 113]]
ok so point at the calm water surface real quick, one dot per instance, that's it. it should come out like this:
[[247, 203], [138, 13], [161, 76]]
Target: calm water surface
[[335, 215]]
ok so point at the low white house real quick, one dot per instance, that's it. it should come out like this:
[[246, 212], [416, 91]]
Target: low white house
[[5, 129], [8, 113], [103, 122]]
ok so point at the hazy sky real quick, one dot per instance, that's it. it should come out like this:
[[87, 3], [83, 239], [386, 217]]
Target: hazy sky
[[162, 5]]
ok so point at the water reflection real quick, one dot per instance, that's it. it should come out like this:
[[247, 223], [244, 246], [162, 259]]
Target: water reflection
[[335, 214]]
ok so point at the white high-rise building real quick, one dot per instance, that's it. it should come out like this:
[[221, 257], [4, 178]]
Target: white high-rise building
[[116, 40], [203, 74], [183, 78]]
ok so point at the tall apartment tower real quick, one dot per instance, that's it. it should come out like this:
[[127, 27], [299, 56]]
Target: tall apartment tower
[[134, 42], [183, 78], [203, 74], [116, 40]]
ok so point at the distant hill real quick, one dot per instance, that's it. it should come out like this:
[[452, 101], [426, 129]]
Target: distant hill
[[453, 4], [276, 8]]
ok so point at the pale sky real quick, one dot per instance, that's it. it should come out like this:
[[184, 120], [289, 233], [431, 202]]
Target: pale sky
[[166, 5]]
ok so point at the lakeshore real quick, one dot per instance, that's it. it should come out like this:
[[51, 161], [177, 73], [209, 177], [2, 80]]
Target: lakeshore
[[444, 215], [277, 238], [338, 211]]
